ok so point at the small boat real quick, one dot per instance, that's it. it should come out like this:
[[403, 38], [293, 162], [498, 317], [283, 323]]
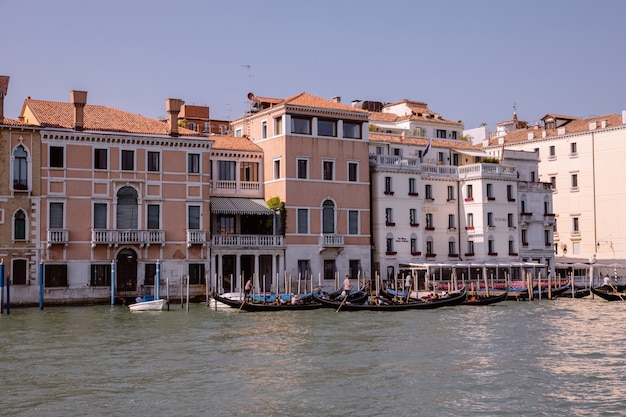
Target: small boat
[[214, 304], [609, 294], [385, 304], [355, 297], [483, 299], [148, 303], [273, 306]]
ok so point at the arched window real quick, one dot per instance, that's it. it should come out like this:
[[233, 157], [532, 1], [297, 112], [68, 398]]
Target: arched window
[[20, 169], [328, 217], [19, 225], [127, 208]]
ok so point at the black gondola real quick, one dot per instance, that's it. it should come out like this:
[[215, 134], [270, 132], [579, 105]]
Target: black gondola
[[355, 297], [483, 300], [609, 294], [383, 304], [248, 306]]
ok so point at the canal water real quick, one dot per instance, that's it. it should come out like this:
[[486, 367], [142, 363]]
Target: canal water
[[542, 358]]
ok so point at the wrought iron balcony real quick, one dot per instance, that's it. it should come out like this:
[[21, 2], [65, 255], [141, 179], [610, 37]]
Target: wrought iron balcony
[[127, 237]]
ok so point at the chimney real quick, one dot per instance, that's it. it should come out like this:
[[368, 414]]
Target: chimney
[[173, 106], [337, 99], [4, 86], [79, 100]]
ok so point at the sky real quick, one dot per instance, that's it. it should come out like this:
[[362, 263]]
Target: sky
[[470, 60]]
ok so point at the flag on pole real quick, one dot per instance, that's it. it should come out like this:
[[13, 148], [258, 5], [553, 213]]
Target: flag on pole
[[430, 142], [402, 136]]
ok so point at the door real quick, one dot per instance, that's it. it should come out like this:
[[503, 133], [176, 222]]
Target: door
[[126, 270]]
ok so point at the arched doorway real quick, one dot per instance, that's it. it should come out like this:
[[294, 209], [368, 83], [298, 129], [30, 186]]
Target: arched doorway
[[126, 270]]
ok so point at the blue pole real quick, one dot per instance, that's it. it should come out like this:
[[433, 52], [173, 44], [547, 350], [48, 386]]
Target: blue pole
[[41, 285], [157, 284], [1, 285], [8, 295], [112, 282]]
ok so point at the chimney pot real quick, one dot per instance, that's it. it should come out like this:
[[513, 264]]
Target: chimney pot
[[173, 107], [79, 100], [4, 86]]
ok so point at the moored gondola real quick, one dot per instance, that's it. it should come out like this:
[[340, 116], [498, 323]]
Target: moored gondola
[[483, 300], [609, 294], [273, 306]]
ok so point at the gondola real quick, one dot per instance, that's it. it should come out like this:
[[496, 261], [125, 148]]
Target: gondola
[[385, 304], [609, 294], [252, 306], [483, 300], [355, 297]]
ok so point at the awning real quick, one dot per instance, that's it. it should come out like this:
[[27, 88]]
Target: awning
[[226, 205], [472, 153]]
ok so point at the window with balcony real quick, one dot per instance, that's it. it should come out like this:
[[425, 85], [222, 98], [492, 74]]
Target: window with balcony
[[300, 125], [154, 161], [440, 134], [128, 160], [154, 217], [56, 216], [351, 130], [127, 213], [303, 221], [546, 238], [100, 157], [327, 127], [452, 249], [553, 182], [302, 166], [389, 217], [20, 168], [193, 217], [328, 217], [100, 211], [353, 171], [430, 248], [56, 156], [224, 224], [428, 192], [414, 249], [388, 190], [193, 163]]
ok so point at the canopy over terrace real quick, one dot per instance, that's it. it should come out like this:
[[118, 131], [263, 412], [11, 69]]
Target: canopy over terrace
[[459, 272]]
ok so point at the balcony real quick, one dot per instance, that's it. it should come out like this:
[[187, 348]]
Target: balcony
[[58, 237], [127, 237], [224, 188], [247, 241], [525, 217], [331, 241], [196, 237]]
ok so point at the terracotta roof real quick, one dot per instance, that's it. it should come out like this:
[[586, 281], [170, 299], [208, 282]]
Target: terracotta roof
[[309, 100], [101, 118], [437, 143], [575, 126], [11, 122], [232, 143]]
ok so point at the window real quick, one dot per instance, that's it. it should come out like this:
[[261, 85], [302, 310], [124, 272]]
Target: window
[[509, 193], [553, 182], [546, 237], [469, 191], [572, 149], [100, 216], [412, 217], [127, 208], [353, 222], [226, 170], [389, 244], [490, 192], [429, 222], [19, 272], [452, 248], [193, 163], [193, 218], [20, 169], [470, 220], [440, 133], [225, 224], [191, 126], [451, 222], [154, 159], [491, 246], [328, 217], [100, 158], [56, 157], [389, 217], [490, 222], [150, 274], [412, 186], [351, 130], [353, 171], [511, 246], [55, 275], [264, 130], [574, 182], [304, 268], [303, 168], [300, 125], [100, 275], [326, 127], [510, 220], [19, 225], [154, 216], [546, 207], [428, 191], [196, 274], [552, 152], [470, 248], [128, 160], [451, 193], [429, 248], [249, 171], [413, 245], [238, 133], [440, 157], [276, 169], [303, 221], [329, 269], [575, 225], [56, 216], [524, 237], [278, 126], [328, 168], [388, 190]]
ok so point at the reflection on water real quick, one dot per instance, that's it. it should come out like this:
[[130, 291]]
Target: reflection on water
[[561, 357]]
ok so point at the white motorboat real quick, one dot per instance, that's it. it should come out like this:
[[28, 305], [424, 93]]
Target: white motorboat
[[152, 305], [214, 304]]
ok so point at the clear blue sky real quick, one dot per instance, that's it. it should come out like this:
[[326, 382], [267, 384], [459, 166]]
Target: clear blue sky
[[470, 60]]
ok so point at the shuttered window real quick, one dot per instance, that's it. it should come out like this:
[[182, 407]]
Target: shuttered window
[[56, 216], [153, 216], [194, 218], [127, 208], [99, 216]]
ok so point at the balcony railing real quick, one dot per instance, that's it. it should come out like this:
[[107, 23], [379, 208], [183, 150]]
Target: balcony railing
[[196, 237], [58, 237], [247, 240], [331, 241], [127, 237]]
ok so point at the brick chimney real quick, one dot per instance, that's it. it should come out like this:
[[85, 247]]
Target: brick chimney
[[173, 106], [79, 100], [4, 86]]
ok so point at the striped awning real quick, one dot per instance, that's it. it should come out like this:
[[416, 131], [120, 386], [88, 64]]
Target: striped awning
[[233, 205]]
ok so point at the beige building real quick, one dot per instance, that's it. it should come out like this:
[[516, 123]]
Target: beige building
[[316, 164]]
